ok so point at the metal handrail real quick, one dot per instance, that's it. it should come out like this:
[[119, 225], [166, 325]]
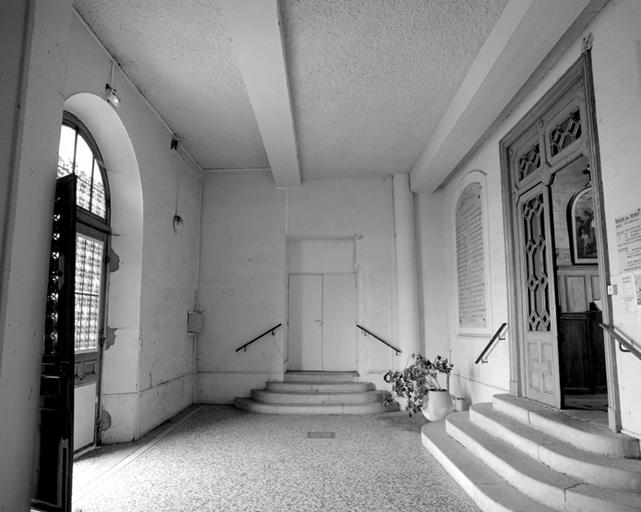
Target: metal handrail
[[244, 347], [366, 331], [498, 335], [623, 342]]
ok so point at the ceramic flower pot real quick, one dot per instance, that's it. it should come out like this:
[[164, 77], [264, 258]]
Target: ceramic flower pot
[[439, 405]]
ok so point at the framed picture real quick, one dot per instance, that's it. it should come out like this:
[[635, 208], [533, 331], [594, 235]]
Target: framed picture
[[581, 228]]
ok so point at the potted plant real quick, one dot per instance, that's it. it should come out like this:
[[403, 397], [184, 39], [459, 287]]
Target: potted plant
[[419, 384]]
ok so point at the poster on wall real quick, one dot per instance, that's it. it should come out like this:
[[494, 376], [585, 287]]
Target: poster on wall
[[630, 292], [628, 231]]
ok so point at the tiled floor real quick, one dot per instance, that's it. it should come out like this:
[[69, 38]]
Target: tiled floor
[[219, 458]]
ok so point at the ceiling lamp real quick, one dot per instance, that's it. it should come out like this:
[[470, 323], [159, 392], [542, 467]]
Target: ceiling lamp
[[111, 95]]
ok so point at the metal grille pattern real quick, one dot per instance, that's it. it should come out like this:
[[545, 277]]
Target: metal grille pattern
[[530, 161], [76, 157], [538, 306], [565, 133], [89, 256]]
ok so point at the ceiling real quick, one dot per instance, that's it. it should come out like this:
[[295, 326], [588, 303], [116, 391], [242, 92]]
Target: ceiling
[[367, 80]]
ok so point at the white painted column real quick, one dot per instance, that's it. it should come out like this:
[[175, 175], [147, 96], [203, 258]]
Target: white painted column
[[406, 276]]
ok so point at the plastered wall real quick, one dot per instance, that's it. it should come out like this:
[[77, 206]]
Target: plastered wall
[[616, 57], [26, 264], [149, 369], [617, 83], [65, 60], [243, 290]]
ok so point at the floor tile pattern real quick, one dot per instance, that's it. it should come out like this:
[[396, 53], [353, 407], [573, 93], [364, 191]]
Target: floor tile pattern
[[222, 459]]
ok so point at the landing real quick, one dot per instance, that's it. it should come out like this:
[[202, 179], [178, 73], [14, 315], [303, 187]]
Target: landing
[[220, 458]]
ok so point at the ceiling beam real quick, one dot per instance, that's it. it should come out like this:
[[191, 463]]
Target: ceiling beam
[[524, 34], [255, 29]]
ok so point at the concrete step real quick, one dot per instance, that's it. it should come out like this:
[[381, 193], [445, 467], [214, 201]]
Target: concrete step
[[490, 492], [362, 397], [251, 405], [533, 478], [582, 434], [319, 387], [300, 376], [602, 470]]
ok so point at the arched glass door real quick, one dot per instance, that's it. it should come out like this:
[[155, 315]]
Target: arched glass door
[[78, 154]]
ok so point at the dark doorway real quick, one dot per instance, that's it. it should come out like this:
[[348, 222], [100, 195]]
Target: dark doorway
[[579, 305]]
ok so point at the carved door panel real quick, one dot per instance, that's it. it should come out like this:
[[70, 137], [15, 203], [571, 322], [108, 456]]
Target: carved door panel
[[538, 301]]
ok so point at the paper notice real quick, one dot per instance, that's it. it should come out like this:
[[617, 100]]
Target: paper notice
[[628, 229], [631, 292]]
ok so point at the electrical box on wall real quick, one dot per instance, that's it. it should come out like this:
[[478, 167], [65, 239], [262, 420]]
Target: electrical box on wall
[[194, 322]]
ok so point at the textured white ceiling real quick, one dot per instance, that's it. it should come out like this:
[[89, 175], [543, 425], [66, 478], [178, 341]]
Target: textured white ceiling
[[179, 55], [369, 79]]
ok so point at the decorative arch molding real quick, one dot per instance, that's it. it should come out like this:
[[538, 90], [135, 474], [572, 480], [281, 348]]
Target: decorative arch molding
[[472, 263], [120, 361]]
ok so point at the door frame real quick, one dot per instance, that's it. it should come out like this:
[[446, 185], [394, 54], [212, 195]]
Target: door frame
[[289, 271], [578, 76]]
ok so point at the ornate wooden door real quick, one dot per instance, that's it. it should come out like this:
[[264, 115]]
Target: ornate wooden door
[[538, 301]]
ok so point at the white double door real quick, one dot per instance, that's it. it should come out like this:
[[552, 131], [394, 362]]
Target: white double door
[[322, 322]]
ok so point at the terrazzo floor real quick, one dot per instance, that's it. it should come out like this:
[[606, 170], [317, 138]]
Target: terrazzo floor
[[216, 458]]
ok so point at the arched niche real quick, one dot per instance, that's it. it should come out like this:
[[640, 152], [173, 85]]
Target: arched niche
[[120, 359], [471, 247]]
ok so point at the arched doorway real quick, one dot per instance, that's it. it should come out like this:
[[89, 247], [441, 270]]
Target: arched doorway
[[78, 154], [90, 119]]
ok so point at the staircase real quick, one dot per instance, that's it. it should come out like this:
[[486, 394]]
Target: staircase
[[317, 393], [517, 455]]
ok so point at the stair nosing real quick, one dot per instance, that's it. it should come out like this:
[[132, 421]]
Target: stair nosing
[[480, 481], [374, 407], [314, 393], [557, 485], [555, 452], [577, 432], [528, 475]]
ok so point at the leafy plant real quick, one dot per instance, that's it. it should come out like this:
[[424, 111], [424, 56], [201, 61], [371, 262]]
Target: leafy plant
[[417, 379]]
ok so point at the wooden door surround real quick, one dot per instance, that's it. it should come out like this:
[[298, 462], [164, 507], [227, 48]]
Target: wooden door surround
[[557, 131]]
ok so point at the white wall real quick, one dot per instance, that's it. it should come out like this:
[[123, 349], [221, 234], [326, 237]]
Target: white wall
[[28, 249], [617, 80], [617, 84], [66, 60], [241, 286], [13, 28], [363, 209], [243, 290], [149, 370]]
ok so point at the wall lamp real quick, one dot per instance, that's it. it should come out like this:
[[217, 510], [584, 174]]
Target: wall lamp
[[111, 95]]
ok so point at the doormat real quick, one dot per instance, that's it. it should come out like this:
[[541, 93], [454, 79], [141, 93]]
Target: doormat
[[321, 435]]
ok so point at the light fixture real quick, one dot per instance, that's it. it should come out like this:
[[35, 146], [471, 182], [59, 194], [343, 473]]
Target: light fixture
[[111, 95]]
